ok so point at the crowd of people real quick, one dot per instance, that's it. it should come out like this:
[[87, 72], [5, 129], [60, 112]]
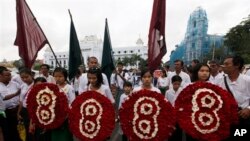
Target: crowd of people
[[14, 90]]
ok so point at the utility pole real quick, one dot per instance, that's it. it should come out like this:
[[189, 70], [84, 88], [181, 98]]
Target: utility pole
[[213, 46]]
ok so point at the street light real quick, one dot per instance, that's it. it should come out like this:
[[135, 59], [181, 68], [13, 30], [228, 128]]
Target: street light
[[213, 47]]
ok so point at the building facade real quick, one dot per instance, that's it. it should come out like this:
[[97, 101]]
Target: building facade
[[196, 43], [93, 46]]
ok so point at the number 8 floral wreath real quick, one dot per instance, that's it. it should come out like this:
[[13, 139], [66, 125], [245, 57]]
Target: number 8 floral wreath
[[206, 111], [47, 106], [147, 115]]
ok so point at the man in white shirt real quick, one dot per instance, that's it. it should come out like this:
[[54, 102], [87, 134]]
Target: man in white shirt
[[214, 71], [178, 71], [83, 80], [44, 72], [239, 86], [10, 91], [117, 80]]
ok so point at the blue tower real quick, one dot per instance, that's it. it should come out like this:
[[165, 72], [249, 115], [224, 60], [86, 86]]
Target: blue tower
[[197, 43]]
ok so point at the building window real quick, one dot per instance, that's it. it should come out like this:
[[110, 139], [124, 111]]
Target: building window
[[131, 51], [59, 56], [52, 63], [193, 45], [138, 50], [64, 62], [113, 52], [63, 55], [119, 52], [125, 51], [194, 24]]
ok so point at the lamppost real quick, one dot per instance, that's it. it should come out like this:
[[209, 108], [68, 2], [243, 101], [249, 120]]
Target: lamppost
[[213, 46], [213, 50]]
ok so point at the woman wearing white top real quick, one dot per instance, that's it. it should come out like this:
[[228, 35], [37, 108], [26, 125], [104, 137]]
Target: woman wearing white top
[[22, 113], [201, 73], [146, 78], [60, 75], [163, 82], [95, 83], [62, 133]]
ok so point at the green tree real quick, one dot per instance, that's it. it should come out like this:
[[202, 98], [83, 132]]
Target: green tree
[[126, 61], [238, 39], [219, 54], [134, 59]]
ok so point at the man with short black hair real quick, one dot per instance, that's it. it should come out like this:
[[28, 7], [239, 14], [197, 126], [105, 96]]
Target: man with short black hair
[[117, 80], [44, 72], [239, 86], [178, 65], [10, 91], [83, 80], [214, 71]]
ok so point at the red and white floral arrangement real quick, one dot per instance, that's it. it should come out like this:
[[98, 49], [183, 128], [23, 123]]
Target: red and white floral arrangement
[[147, 115], [206, 111], [92, 116], [47, 106]]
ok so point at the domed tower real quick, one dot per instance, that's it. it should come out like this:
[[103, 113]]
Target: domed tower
[[47, 56], [196, 34], [139, 42]]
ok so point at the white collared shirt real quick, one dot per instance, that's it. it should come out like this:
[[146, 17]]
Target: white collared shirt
[[117, 80], [83, 82], [69, 92], [104, 90], [6, 90], [17, 79], [171, 95], [162, 82], [240, 89], [184, 76], [24, 93], [213, 79]]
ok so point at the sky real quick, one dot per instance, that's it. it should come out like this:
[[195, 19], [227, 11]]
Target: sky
[[128, 20]]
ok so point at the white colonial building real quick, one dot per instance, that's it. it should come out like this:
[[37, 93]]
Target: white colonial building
[[93, 46]]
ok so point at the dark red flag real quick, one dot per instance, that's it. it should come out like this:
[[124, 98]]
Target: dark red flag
[[30, 37], [156, 38]]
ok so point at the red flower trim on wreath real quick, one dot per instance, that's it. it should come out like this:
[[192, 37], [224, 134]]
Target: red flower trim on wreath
[[147, 115], [92, 116], [206, 111], [47, 106]]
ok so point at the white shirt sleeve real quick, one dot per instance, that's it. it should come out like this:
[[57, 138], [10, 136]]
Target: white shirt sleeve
[[82, 83], [248, 72], [23, 92], [112, 79], [71, 94], [122, 99], [105, 79], [109, 94]]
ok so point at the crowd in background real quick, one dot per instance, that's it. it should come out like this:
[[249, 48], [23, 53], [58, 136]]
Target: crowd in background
[[165, 81]]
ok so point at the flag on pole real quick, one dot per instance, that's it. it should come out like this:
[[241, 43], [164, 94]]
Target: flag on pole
[[156, 38], [107, 55], [30, 37], [75, 54]]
